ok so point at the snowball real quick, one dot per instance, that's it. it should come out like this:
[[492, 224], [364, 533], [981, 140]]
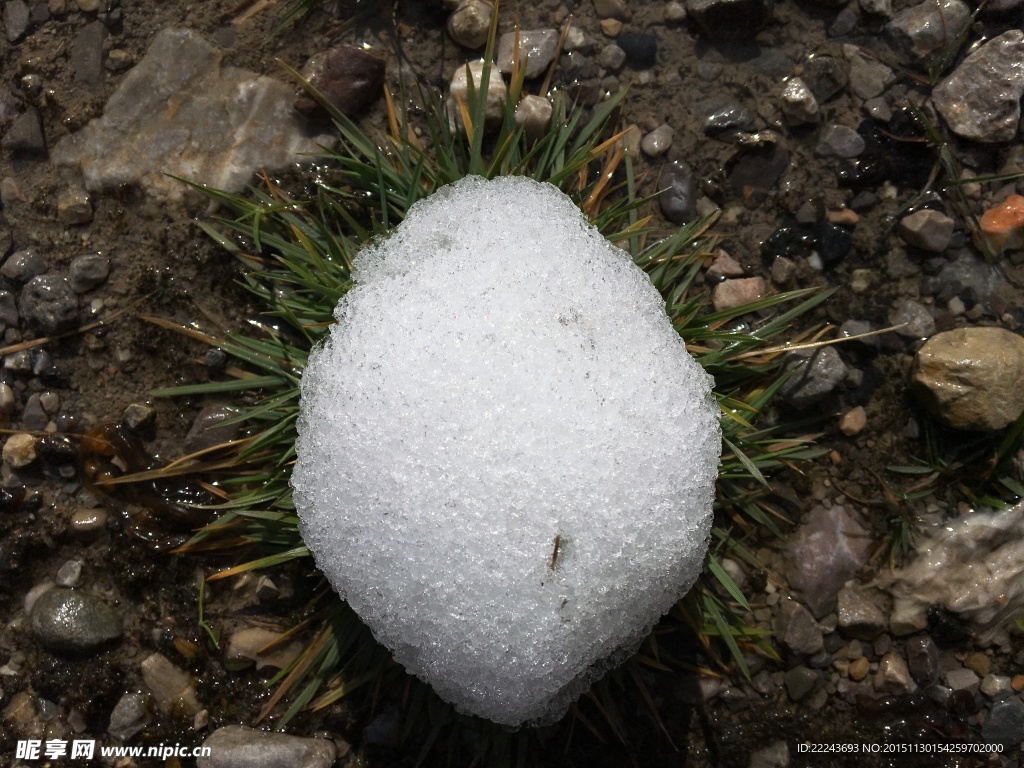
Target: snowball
[[506, 457]]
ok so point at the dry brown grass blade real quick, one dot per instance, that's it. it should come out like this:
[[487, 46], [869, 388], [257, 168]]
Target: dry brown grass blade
[[772, 352], [592, 205], [298, 671], [546, 85]]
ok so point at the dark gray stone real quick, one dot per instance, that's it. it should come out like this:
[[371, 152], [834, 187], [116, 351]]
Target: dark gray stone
[[923, 659], [678, 201], [536, 46], [729, 19], [796, 629], [825, 76], [840, 141], [209, 428], [48, 305], [87, 272], [350, 78], [928, 27], [129, 716], [25, 135], [774, 756], [980, 101], [820, 372], [928, 230], [33, 417], [70, 621], [641, 49], [9, 309], [87, 55], [22, 266], [1004, 724], [727, 116], [801, 681]]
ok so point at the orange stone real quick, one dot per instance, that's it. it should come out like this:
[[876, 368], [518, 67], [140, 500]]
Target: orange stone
[[1003, 224], [1017, 683]]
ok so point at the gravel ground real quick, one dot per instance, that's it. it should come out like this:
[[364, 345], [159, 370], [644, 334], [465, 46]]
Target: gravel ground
[[800, 132]]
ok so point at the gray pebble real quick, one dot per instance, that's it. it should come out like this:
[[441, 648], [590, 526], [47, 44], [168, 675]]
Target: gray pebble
[[69, 574], [87, 55], [67, 620], [821, 372], [962, 679], [928, 230], [657, 142], [8, 309], [234, 745], [88, 272], [923, 659], [129, 716], [1005, 723], [678, 200], [840, 141], [22, 266], [916, 320], [773, 756], [611, 58], [800, 681], [33, 417], [26, 134], [16, 18], [138, 417], [537, 48], [928, 27], [48, 304], [799, 106]]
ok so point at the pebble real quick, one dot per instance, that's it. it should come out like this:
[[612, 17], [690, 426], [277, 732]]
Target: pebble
[[927, 229], [171, 686], [722, 267], [731, 294], [796, 629], [801, 681], [611, 27], [961, 679], [877, 7], [868, 77], [859, 613], [726, 116], [25, 136], [821, 372], [612, 57], [48, 305], [893, 676], [775, 755], [612, 9], [74, 206], [245, 646], [534, 114], [1003, 225], [729, 19], [537, 47], [69, 574], [70, 621], [928, 27], [349, 77], [88, 521], [129, 716], [87, 55], [996, 686], [1017, 683], [33, 416], [923, 659], [823, 553], [641, 49], [799, 107], [675, 12], [980, 100], [459, 89], [469, 23], [825, 75], [87, 272], [840, 141], [657, 142], [22, 266], [1004, 724], [19, 450], [969, 378], [979, 663], [913, 319], [233, 746], [859, 669], [678, 199], [7, 399], [16, 19]]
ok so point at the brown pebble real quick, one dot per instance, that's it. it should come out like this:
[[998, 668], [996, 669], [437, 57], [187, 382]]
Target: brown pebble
[[88, 520], [979, 663], [1017, 683], [611, 27], [835, 457], [853, 421], [859, 669], [843, 216]]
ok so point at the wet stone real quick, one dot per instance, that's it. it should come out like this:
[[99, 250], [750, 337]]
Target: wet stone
[[860, 613], [1003, 224], [834, 242], [234, 747], [469, 23], [821, 372], [657, 142], [22, 266], [773, 756], [970, 378], [678, 199], [69, 621], [796, 629], [349, 78], [33, 417], [611, 9], [928, 27], [996, 686], [641, 49], [756, 169], [869, 77], [209, 428], [726, 117], [799, 107], [840, 141], [19, 450], [729, 19], [893, 676], [87, 272], [845, 21], [923, 659], [74, 206], [48, 305], [801, 681], [69, 574], [675, 12], [171, 686], [961, 679], [825, 76], [537, 47], [914, 319], [859, 669], [25, 136], [980, 101], [730, 294], [534, 114], [1004, 724], [928, 230]]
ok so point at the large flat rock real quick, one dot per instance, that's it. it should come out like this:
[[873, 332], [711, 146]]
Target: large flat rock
[[180, 113]]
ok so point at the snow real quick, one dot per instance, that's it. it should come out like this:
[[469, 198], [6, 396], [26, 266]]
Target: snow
[[506, 457]]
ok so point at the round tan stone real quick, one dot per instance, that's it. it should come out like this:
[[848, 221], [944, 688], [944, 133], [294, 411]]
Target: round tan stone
[[859, 669], [970, 378], [19, 450]]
